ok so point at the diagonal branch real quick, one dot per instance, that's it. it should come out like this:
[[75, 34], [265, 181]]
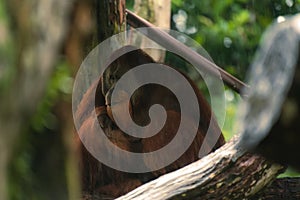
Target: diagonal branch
[[228, 173]]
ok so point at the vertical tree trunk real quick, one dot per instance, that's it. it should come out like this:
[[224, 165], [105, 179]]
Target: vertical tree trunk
[[107, 18], [33, 34], [158, 12]]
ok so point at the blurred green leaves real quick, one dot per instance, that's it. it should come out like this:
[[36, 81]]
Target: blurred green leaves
[[230, 31], [59, 87], [7, 72], [37, 149]]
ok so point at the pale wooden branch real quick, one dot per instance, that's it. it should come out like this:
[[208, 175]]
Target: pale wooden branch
[[228, 173], [280, 189]]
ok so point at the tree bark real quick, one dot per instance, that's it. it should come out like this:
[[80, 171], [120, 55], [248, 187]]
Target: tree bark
[[108, 18], [228, 173], [157, 12], [281, 189]]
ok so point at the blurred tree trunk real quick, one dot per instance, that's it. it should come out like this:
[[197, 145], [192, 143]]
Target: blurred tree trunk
[[93, 21], [158, 12], [31, 35]]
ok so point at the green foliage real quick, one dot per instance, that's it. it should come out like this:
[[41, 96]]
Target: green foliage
[[130, 4], [60, 84], [230, 31], [39, 149], [290, 172], [7, 72]]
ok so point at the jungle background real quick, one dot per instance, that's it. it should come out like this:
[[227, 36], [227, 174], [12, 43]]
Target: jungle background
[[42, 155]]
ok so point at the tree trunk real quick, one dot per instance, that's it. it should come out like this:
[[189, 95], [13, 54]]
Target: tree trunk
[[158, 12], [30, 50], [108, 18]]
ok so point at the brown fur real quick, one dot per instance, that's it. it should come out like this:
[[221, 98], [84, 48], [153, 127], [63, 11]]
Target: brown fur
[[98, 178]]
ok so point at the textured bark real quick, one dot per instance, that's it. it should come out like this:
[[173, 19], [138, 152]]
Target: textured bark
[[157, 12], [281, 189], [228, 173], [107, 18]]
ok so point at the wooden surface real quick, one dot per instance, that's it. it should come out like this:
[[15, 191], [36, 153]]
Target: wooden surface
[[228, 173]]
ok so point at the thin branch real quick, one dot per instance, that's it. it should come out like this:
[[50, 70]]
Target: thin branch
[[169, 42]]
